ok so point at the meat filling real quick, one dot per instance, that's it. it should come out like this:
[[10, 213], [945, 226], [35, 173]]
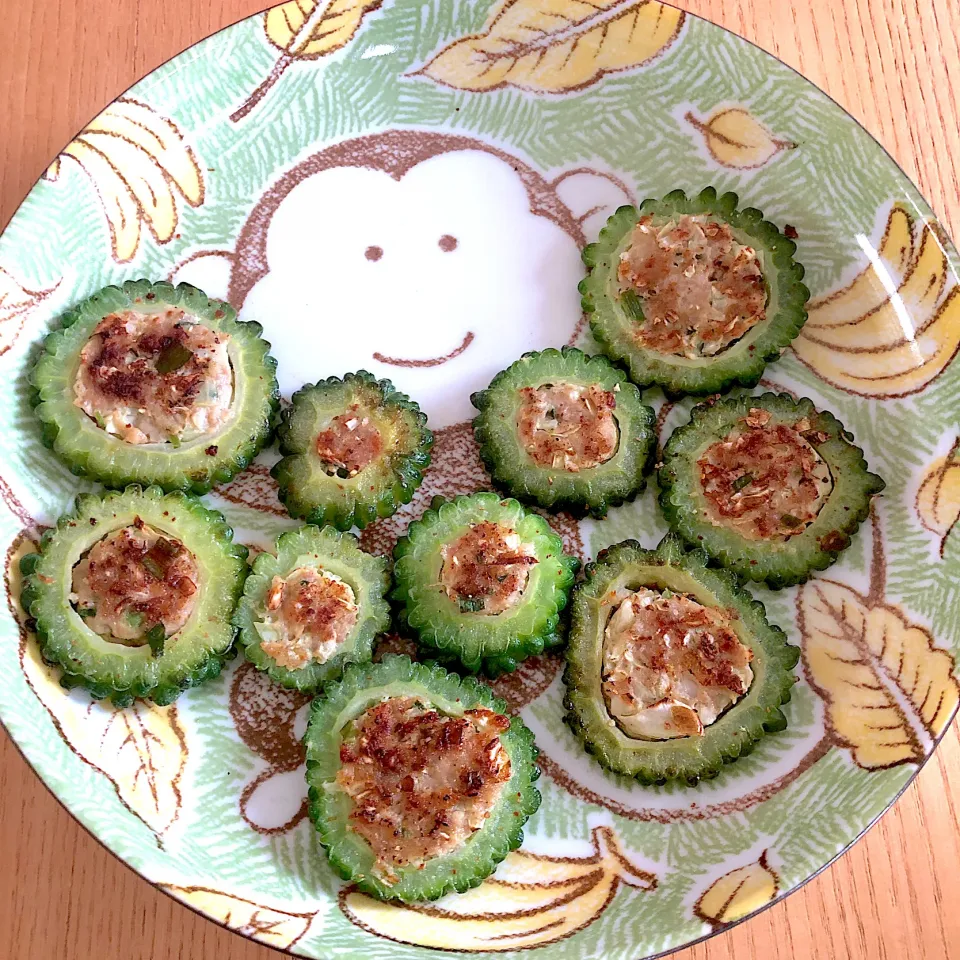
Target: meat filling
[[134, 580], [421, 782], [153, 378], [568, 426], [308, 615], [698, 288], [671, 666], [486, 570], [349, 443], [765, 479]]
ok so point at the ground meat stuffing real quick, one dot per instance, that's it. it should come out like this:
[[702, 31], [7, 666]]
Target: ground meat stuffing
[[133, 580], [421, 782], [308, 615], [153, 378], [699, 290], [765, 479], [486, 570], [349, 443], [671, 665], [568, 426]]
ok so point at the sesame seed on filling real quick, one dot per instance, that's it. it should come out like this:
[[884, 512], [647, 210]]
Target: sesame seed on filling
[[421, 782], [486, 569], [568, 426], [699, 289], [134, 580], [765, 480], [671, 666], [154, 378]]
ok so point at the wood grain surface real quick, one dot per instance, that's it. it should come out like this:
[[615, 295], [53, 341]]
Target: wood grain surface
[[894, 65]]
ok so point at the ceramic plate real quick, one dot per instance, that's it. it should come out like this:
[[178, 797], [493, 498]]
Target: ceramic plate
[[406, 186]]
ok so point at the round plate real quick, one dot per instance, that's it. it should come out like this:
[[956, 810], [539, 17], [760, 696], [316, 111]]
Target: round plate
[[406, 187]]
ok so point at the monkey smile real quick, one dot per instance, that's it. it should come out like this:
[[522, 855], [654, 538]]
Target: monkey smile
[[434, 362]]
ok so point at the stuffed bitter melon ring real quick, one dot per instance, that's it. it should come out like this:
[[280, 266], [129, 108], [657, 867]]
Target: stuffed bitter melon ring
[[354, 450], [155, 384], [565, 431], [419, 782], [693, 294], [672, 669], [132, 594], [768, 486]]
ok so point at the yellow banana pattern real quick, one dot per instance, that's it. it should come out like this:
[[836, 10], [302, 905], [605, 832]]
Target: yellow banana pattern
[[141, 168], [938, 499], [894, 329], [532, 900]]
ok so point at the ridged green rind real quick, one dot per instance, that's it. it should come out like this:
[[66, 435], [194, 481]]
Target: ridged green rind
[[363, 686], [194, 654], [743, 362], [196, 465], [591, 491], [782, 563], [734, 734], [375, 492], [340, 554], [495, 643]]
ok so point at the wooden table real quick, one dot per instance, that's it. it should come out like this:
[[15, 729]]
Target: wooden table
[[896, 893]]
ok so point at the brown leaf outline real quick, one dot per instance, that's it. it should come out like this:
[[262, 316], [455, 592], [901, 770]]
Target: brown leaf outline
[[306, 30], [141, 749], [556, 46], [888, 690], [16, 304], [281, 929]]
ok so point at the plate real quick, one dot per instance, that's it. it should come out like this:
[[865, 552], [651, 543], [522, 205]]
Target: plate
[[406, 186]]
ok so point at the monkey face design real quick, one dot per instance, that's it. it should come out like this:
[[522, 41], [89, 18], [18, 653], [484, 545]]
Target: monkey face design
[[430, 259]]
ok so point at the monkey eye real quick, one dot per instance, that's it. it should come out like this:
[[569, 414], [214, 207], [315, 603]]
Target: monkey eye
[[447, 243]]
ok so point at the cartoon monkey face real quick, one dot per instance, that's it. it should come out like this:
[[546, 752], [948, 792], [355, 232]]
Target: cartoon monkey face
[[430, 259]]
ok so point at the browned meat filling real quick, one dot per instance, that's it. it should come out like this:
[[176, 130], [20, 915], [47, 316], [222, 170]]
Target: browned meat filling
[[150, 378], [308, 615], [135, 579], [349, 444], [486, 569], [671, 665], [765, 480], [699, 289], [567, 426], [421, 782]]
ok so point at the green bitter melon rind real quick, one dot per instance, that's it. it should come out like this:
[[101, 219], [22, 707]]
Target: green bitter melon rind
[[495, 643], [194, 654], [309, 494], [362, 686], [592, 491], [196, 464], [782, 563], [741, 363], [689, 759], [340, 554]]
